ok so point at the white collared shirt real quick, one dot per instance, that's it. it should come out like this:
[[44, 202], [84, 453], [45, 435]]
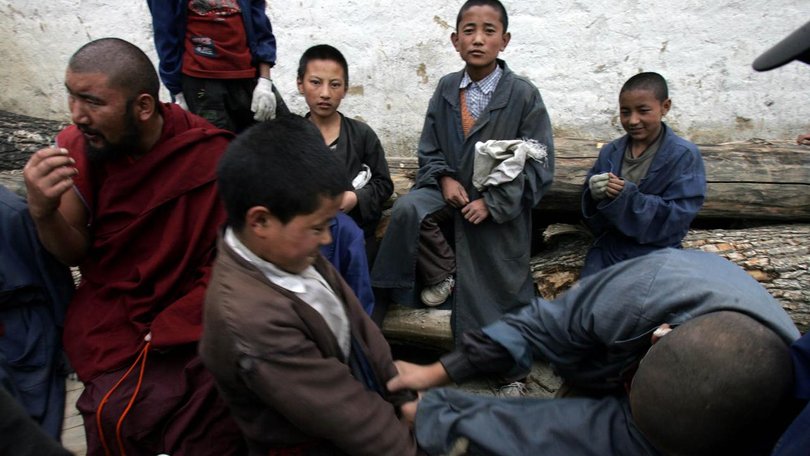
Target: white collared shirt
[[309, 286]]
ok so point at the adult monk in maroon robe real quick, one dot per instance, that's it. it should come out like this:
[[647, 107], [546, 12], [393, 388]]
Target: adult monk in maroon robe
[[128, 194]]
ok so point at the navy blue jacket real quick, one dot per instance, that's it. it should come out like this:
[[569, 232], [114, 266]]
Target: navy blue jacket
[[650, 215], [34, 292]]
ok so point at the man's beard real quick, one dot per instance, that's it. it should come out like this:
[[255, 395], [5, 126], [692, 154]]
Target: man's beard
[[125, 145]]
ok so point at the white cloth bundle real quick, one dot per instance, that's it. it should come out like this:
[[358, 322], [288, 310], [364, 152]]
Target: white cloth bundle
[[501, 160]]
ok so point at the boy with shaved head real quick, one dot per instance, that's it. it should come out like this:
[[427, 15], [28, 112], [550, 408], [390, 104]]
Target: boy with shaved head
[[673, 352], [647, 186], [127, 193]]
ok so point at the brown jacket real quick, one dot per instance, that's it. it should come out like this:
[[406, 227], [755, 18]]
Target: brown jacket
[[281, 370]]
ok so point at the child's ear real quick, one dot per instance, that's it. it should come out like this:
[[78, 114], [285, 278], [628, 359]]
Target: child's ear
[[506, 37], [300, 83], [258, 219], [454, 40], [665, 105]]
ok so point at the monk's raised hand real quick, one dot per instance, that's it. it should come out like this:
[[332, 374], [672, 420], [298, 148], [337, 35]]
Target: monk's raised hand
[[48, 175]]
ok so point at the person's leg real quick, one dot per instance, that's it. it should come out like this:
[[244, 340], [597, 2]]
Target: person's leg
[[395, 267], [495, 426], [176, 411], [207, 98], [436, 260], [238, 100]]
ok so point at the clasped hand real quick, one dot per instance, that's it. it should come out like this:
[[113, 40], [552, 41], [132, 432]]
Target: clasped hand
[[605, 185], [455, 195]]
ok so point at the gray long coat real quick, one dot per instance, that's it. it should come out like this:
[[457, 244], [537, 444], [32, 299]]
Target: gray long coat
[[492, 258]]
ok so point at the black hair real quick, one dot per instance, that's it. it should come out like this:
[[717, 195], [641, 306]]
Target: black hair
[[127, 66], [282, 165], [323, 52], [495, 4], [711, 385], [653, 82]]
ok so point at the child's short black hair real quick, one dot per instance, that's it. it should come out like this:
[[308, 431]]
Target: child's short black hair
[[495, 4], [648, 81], [323, 52], [282, 165]]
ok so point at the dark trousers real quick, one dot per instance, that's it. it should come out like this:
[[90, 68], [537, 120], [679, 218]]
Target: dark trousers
[[225, 102], [177, 410], [436, 260]]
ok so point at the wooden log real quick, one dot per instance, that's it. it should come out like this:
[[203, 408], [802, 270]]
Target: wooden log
[[20, 136], [754, 180], [427, 328]]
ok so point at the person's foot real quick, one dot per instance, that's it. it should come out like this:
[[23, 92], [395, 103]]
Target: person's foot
[[435, 295], [514, 389]]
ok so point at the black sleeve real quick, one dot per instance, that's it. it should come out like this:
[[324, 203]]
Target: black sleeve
[[477, 355]]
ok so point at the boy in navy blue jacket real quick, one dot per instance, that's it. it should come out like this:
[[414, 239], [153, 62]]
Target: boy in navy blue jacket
[[647, 186]]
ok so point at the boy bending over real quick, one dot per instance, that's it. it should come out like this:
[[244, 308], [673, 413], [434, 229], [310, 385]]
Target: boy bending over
[[300, 364]]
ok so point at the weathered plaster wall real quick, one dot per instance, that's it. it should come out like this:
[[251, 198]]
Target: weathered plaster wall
[[578, 53]]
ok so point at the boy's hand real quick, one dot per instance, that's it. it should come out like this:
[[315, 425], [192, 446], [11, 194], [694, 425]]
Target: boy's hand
[[417, 377], [598, 185], [180, 100], [614, 186], [263, 103], [407, 412], [349, 201], [803, 140], [453, 192], [475, 212]]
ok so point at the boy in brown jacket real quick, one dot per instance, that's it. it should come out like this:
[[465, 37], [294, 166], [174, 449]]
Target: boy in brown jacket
[[300, 364]]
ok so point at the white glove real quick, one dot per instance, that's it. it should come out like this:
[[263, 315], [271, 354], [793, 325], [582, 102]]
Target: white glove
[[180, 100], [598, 185], [362, 178], [264, 100]]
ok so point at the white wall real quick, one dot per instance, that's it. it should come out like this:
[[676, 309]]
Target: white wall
[[577, 52]]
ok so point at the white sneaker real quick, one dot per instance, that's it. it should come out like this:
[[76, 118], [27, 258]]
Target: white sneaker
[[435, 295]]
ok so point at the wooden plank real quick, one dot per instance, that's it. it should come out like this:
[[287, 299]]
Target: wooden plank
[[419, 327]]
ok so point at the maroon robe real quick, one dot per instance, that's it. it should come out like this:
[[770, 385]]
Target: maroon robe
[[153, 223]]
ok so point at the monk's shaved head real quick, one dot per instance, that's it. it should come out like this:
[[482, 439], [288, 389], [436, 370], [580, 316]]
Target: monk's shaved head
[[126, 66], [703, 387]]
